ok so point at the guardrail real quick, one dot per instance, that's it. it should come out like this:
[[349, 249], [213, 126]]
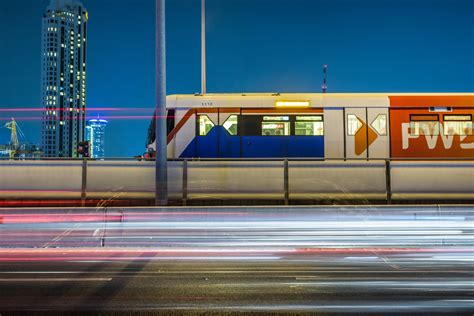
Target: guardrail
[[251, 179]]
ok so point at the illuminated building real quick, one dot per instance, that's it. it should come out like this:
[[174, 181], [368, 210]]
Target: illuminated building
[[64, 42], [95, 134]]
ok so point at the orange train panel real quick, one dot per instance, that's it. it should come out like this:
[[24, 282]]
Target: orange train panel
[[405, 144], [430, 100]]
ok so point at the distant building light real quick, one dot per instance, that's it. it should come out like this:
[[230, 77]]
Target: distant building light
[[95, 134], [98, 121]]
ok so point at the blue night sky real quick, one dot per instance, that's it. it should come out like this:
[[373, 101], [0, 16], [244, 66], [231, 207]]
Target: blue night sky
[[253, 46]]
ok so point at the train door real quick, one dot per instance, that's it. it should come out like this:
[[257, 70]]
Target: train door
[[378, 120], [207, 131], [367, 133], [334, 133], [356, 133], [228, 133]]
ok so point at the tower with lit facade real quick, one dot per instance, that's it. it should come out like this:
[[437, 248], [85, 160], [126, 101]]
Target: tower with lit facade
[[95, 134], [64, 60]]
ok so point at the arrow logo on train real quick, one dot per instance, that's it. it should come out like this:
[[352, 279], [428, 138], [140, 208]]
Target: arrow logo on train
[[364, 139]]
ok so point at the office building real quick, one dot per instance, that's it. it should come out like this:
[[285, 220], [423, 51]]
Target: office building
[[95, 134], [64, 60]]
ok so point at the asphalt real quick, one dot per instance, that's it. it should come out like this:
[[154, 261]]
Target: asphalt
[[299, 284]]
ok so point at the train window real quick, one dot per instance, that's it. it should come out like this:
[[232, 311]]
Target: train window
[[205, 125], [275, 128], [309, 126], [353, 124], [170, 121], [250, 125], [424, 125], [380, 124], [458, 117], [231, 125], [458, 125], [424, 128]]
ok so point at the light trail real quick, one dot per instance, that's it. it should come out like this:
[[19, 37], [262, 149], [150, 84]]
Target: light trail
[[306, 233], [106, 117], [13, 280]]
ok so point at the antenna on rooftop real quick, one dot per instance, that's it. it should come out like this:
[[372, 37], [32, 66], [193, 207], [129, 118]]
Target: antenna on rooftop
[[325, 80]]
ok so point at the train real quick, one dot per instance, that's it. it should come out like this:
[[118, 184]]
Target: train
[[319, 126], [282, 147]]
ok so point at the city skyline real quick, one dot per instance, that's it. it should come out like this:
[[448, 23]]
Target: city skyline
[[429, 51]]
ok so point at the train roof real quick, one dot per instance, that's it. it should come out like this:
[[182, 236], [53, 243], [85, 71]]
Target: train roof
[[319, 100]]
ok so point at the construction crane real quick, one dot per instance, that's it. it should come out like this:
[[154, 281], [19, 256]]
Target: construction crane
[[14, 141]]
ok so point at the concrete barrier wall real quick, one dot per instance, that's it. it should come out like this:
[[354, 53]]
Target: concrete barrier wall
[[130, 179], [209, 180], [235, 179], [427, 180], [333, 180], [40, 179]]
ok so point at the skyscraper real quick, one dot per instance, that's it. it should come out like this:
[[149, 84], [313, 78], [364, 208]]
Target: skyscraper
[[63, 77], [95, 134]]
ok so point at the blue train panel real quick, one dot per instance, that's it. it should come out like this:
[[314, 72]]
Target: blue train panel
[[207, 145], [217, 144], [264, 146], [190, 151], [278, 146], [220, 144], [229, 146], [305, 147]]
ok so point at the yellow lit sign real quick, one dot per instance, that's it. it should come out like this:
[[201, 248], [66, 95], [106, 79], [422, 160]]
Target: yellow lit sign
[[293, 104]]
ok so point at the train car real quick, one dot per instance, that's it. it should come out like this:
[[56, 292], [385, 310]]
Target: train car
[[320, 126]]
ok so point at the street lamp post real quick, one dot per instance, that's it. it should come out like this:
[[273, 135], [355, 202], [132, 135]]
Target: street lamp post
[[203, 48], [161, 168]]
